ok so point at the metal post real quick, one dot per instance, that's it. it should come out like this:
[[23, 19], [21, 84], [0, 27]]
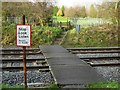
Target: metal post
[[24, 59]]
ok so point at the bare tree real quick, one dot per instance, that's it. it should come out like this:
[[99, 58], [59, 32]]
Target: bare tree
[[72, 11]]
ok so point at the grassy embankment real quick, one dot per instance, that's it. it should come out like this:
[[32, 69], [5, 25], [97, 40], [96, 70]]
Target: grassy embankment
[[98, 36], [93, 33], [40, 35]]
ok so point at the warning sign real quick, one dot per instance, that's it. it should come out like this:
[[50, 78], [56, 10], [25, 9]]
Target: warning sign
[[23, 35]]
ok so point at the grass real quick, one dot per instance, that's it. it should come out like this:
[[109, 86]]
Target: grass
[[55, 87], [15, 87], [102, 36], [52, 87], [19, 87], [61, 19], [104, 85]]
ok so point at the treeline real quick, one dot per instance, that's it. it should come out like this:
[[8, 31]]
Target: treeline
[[38, 12], [41, 12], [107, 10]]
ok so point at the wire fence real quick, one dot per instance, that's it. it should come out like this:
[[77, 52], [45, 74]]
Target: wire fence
[[89, 21], [72, 21], [18, 20]]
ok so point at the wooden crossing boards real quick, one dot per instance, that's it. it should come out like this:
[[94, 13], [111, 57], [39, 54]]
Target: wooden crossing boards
[[68, 68]]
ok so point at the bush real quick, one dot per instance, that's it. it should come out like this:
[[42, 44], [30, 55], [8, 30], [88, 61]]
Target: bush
[[45, 35], [102, 36], [40, 35]]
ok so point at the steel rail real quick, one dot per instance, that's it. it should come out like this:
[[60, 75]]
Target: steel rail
[[33, 53], [28, 67], [18, 49], [104, 64], [20, 59], [113, 57], [83, 52], [95, 48]]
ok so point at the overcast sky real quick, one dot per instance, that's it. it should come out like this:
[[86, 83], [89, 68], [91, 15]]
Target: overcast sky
[[69, 3]]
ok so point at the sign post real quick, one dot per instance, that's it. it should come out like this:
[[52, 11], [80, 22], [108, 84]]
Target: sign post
[[24, 59], [77, 30], [23, 39]]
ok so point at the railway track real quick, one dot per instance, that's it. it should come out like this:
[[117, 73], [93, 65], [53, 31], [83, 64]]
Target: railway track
[[20, 59], [90, 55], [40, 68], [19, 51], [105, 64], [15, 61], [38, 72], [94, 50], [90, 52], [95, 57]]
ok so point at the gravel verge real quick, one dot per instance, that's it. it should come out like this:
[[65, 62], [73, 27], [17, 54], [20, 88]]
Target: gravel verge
[[16, 78], [109, 73]]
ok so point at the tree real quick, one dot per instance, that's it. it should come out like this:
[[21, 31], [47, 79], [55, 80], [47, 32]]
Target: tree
[[55, 10], [63, 8], [109, 10], [60, 12], [39, 11], [72, 11], [83, 12], [42, 12], [93, 11], [15, 9]]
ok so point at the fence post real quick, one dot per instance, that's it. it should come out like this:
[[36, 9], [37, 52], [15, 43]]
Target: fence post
[[60, 24]]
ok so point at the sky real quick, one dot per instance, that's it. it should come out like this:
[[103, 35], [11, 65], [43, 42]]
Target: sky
[[69, 3]]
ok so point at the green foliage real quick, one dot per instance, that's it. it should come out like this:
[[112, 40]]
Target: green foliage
[[61, 19], [8, 87], [102, 36], [8, 34], [55, 10], [20, 87], [63, 8], [45, 35], [40, 35], [53, 87], [104, 85]]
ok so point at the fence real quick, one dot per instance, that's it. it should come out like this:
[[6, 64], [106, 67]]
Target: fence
[[89, 21], [68, 24], [18, 20]]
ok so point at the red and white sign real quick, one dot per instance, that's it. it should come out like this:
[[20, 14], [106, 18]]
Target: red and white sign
[[23, 35]]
